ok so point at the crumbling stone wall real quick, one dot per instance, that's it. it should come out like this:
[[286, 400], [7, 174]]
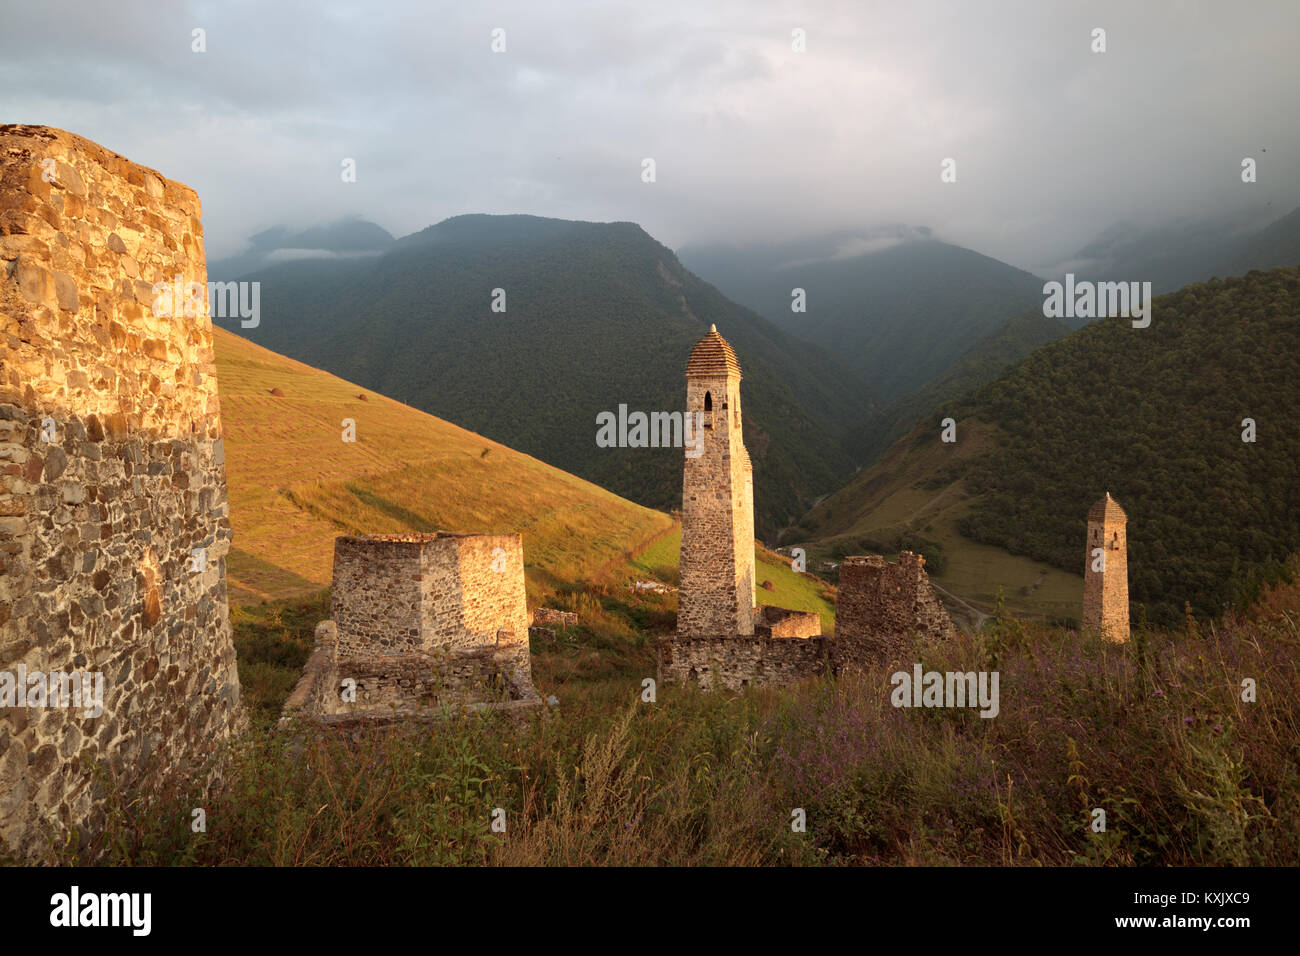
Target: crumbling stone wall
[[880, 605], [732, 662], [783, 622], [419, 681], [113, 513], [420, 621], [550, 617]]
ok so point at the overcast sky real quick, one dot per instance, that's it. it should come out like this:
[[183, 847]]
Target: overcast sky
[[1053, 143]]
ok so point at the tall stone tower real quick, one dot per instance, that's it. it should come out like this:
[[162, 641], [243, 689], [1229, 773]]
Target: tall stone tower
[[114, 523], [1105, 582], [716, 597]]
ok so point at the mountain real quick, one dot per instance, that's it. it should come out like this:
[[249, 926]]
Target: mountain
[[596, 315], [294, 484], [1277, 244], [345, 239], [899, 306], [982, 363], [1154, 416], [1187, 250]]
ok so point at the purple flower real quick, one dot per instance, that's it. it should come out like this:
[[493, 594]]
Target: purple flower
[[1159, 692], [1187, 720]]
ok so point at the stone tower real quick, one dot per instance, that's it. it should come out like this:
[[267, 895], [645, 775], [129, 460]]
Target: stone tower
[[716, 597], [1105, 592], [114, 524]]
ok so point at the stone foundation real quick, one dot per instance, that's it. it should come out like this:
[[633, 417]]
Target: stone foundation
[[549, 617], [422, 623], [732, 662]]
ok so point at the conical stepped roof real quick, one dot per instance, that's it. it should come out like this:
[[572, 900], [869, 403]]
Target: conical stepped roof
[[712, 355], [1107, 509]]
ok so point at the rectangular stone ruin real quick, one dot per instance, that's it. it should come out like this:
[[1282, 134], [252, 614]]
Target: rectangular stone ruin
[[880, 606], [421, 624], [786, 647], [113, 515]]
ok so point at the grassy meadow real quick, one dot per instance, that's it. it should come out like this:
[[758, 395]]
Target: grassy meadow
[[1154, 732]]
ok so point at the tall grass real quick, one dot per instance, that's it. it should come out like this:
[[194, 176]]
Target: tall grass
[[1155, 733]]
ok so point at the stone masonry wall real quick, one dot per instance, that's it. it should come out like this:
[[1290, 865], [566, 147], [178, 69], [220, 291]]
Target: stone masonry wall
[[473, 588], [879, 606], [113, 513], [408, 685], [375, 599], [421, 620], [415, 681], [550, 617], [411, 593], [731, 662], [783, 622]]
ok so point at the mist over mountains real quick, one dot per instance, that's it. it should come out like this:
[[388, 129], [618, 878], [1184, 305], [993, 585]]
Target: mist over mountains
[[344, 239], [1188, 249], [897, 304]]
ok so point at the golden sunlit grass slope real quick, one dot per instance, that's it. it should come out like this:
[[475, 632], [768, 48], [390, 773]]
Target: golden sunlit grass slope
[[295, 484]]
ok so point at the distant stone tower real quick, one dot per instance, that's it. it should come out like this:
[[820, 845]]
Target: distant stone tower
[[1105, 592], [716, 596]]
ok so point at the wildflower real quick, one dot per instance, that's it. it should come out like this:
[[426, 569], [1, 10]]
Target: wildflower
[[1159, 692], [1188, 720]]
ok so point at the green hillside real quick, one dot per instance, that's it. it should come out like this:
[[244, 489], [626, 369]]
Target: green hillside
[[1152, 415], [596, 315], [1015, 339], [295, 485]]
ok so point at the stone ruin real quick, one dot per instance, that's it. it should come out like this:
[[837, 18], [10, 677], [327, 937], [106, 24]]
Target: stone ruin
[[723, 639], [113, 514], [551, 618], [880, 606], [546, 622], [421, 624]]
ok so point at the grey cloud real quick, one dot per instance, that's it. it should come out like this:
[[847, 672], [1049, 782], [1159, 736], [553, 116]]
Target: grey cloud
[[1053, 142]]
